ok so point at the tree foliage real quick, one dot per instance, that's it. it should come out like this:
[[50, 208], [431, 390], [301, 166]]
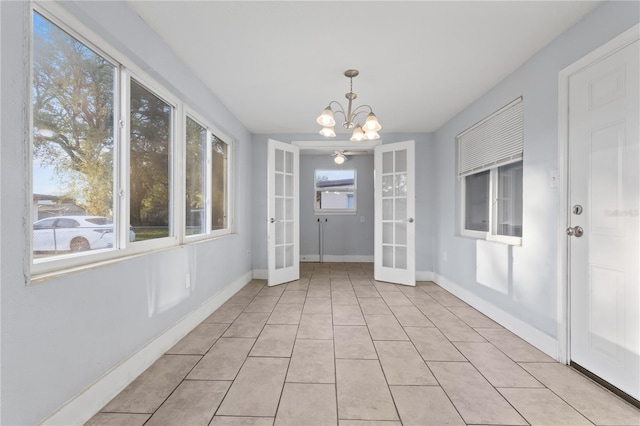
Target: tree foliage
[[73, 115]]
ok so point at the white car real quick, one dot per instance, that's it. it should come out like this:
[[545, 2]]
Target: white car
[[74, 233]]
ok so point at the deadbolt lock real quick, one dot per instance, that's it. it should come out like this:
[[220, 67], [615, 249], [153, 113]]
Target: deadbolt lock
[[577, 209]]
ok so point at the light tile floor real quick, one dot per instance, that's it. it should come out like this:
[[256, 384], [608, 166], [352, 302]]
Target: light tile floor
[[338, 347]]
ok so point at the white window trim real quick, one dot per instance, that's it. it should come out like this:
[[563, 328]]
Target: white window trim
[[211, 131], [49, 267], [336, 212]]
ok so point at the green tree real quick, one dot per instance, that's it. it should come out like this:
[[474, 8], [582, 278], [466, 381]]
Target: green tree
[[73, 115]]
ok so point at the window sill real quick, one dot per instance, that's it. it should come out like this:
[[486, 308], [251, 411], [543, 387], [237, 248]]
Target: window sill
[[503, 239], [53, 268], [500, 239], [335, 213]]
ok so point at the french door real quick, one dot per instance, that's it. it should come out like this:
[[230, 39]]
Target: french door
[[283, 210], [394, 238]]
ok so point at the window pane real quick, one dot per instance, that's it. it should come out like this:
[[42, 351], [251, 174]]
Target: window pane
[[196, 176], [477, 202], [73, 97], [150, 154], [219, 175], [509, 206]]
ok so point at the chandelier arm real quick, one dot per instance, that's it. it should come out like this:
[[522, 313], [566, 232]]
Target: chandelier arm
[[356, 113], [338, 111]]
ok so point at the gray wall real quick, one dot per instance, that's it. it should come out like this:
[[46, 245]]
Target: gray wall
[[344, 235], [519, 280], [425, 193], [60, 336]]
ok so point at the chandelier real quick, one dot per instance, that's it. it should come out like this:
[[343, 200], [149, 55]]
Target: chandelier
[[369, 131]]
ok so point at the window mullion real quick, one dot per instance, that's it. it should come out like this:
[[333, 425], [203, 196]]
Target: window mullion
[[178, 149], [493, 204], [209, 183], [121, 144]]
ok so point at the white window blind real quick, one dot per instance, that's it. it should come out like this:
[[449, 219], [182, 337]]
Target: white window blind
[[495, 141]]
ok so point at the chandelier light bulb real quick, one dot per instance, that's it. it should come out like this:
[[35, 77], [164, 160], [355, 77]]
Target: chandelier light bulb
[[358, 134], [371, 135], [327, 131], [371, 124], [326, 118], [339, 159]]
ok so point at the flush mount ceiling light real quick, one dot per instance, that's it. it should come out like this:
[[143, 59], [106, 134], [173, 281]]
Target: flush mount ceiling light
[[369, 131]]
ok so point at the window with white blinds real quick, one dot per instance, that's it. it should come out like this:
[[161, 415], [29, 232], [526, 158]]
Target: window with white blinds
[[495, 141]]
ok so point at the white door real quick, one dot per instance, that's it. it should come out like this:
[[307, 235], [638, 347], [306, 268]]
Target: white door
[[395, 236], [283, 232], [604, 187]]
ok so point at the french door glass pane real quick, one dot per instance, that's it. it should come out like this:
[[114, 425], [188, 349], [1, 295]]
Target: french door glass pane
[[401, 257], [387, 186], [279, 184], [401, 161], [387, 162], [73, 90], [387, 256], [401, 233], [196, 177], [387, 209], [387, 233], [151, 123], [279, 160]]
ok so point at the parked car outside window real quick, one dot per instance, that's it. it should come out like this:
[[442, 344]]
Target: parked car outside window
[[74, 234]]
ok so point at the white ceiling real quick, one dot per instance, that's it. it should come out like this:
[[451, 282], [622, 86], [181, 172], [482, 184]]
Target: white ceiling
[[276, 65]]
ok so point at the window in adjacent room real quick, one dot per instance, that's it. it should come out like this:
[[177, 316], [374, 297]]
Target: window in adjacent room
[[335, 191], [490, 171]]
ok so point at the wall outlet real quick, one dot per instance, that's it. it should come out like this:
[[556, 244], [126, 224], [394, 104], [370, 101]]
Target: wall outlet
[[361, 219], [187, 282], [444, 256]]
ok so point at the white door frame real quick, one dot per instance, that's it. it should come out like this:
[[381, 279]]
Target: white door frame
[[563, 310]]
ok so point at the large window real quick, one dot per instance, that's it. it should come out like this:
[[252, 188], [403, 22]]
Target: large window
[[207, 194], [150, 155], [335, 191], [106, 156], [73, 143], [490, 171], [196, 178]]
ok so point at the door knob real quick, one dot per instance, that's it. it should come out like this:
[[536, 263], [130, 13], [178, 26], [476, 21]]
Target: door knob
[[575, 231], [272, 220], [410, 220]]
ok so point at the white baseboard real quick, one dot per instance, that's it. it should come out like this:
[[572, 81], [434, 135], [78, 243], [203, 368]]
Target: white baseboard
[[81, 408], [336, 258], [537, 338], [260, 274], [424, 276]]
